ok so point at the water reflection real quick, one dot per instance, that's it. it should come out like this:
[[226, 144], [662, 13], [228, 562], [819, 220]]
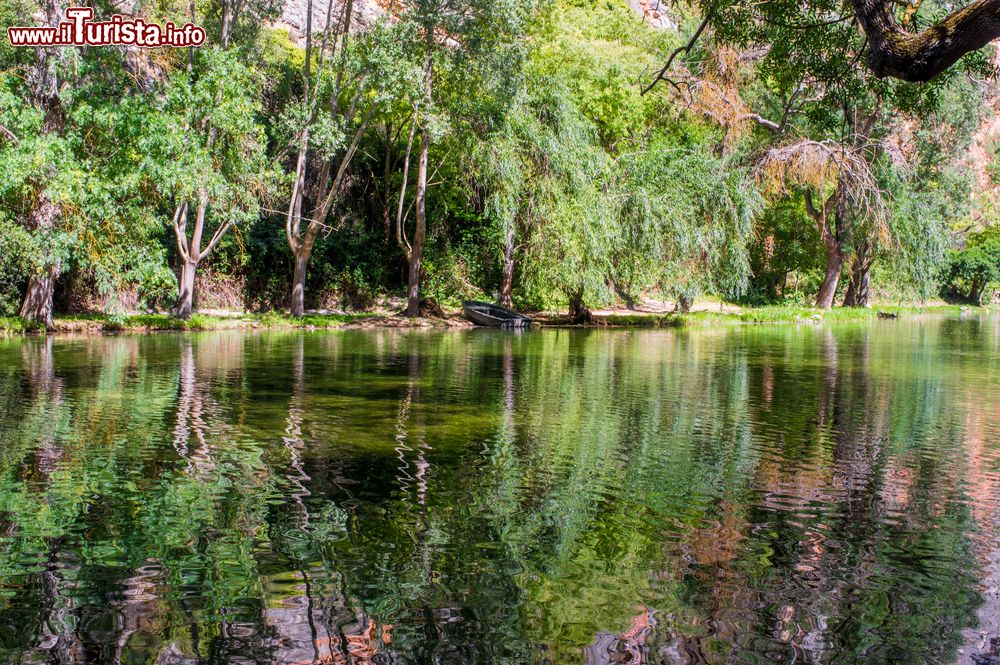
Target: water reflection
[[786, 494]]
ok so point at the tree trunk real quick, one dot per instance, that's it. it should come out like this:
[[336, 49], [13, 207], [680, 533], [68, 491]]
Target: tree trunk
[[37, 305], [413, 279], [44, 216], [578, 312], [834, 264], [975, 291], [507, 281], [420, 232], [851, 297], [864, 281], [861, 268], [302, 255], [185, 291]]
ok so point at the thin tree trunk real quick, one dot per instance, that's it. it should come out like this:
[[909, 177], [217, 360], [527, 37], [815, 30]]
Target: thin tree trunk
[[832, 241], [420, 232], [386, 189], [975, 291], [185, 291], [834, 264], [861, 268], [191, 252], [507, 280], [413, 279]]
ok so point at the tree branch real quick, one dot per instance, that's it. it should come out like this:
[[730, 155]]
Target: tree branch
[[919, 57], [180, 224], [216, 237], [661, 75], [8, 134], [401, 240], [770, 125]]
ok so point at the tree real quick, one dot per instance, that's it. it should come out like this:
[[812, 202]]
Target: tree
[[687, 216], [894, 44], [823, 121], [206, 155], [361, 75], [40, 145], [843, 176], [525, 164], [75, 202], [976, 268], [924, 163], [919, 57], [547, 177], [464, 44], [204, 143]]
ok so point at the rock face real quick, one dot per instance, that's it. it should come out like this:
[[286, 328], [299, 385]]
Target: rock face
[[293, 15], [654, 12]]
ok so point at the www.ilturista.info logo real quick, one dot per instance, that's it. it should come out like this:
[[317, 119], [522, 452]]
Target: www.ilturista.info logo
[[79, 30]]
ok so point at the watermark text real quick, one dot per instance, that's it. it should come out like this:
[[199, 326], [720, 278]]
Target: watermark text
[[79, 30]]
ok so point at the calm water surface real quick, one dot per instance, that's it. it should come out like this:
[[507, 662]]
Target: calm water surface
[[735, 495]]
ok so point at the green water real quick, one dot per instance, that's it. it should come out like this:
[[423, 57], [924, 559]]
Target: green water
[[735, 495]]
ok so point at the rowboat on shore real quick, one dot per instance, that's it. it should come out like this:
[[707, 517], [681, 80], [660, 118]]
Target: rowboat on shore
[[494, 316]]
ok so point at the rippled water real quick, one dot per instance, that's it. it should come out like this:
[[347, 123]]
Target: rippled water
[[734, 495]]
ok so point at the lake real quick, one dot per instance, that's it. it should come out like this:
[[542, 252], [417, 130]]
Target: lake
[[752, 494]]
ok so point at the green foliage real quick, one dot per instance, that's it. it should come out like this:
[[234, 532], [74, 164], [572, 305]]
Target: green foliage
[[690, 214], [204, 134], [975, 270], [784, 259], [542, 149], [16, 263], [819, 43]]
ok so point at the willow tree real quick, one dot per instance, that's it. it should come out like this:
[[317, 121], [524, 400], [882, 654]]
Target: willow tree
[[574, 230], [839, 186], [823, 122], [528, 164], [691, 213]]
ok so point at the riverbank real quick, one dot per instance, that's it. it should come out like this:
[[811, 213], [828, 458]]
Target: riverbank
[[733, 315]]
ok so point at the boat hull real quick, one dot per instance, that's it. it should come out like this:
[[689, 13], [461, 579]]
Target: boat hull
[[494, 316]]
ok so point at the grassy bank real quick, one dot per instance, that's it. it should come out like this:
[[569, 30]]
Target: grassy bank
[[100, 323], [138, 323], [779, 314]]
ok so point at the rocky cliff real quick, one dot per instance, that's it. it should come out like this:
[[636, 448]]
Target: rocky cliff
[[294, 12]]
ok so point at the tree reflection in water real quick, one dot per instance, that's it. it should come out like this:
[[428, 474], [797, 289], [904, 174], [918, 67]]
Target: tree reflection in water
[[707, 496]]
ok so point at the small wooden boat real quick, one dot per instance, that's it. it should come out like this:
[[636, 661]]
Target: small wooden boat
[[494, 316]]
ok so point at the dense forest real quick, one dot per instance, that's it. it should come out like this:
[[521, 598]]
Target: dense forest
[[326, 154]]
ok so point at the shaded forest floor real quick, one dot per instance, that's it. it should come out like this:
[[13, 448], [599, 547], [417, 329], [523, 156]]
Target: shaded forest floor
[[644, 316]]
